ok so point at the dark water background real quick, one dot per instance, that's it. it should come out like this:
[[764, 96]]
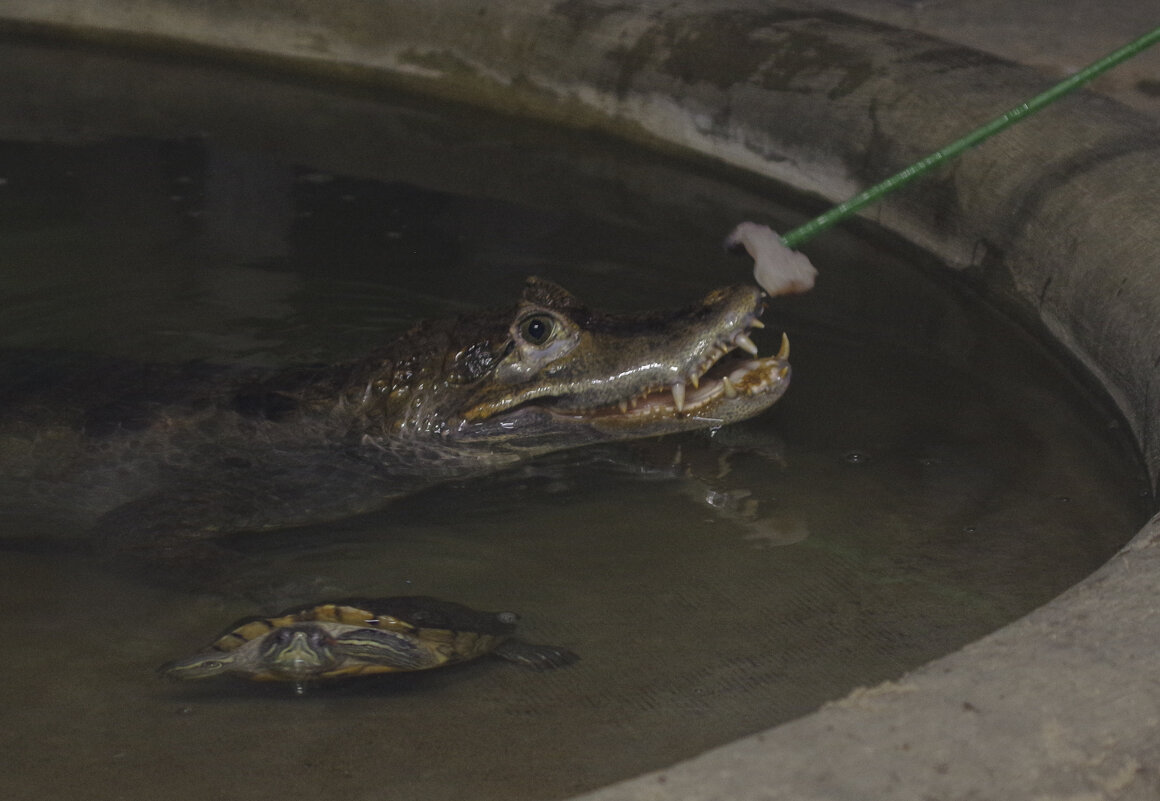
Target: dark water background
[[932, 474]]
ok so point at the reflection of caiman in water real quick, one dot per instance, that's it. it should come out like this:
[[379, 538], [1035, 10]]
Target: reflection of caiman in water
[[160, 462]]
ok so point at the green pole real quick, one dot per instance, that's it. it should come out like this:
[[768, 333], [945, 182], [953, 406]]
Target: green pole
[[835, 215]]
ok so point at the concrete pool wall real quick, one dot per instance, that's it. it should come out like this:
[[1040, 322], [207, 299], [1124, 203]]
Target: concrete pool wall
[[1057, 220]]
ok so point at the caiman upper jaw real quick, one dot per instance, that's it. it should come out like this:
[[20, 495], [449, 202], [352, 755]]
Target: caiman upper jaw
[[715, 381], [685, 374], [554, 374]]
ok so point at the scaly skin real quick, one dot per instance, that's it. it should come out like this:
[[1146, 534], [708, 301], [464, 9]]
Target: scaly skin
[[194, 458]]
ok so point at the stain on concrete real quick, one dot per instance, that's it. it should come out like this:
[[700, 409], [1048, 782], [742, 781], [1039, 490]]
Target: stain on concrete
[[444, 62], [783, 51], [1036, 192], [941, 60], [1147, 87], [585, 15], [869, 697]]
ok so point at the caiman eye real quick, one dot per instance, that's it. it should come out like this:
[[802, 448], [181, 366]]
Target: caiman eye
[[537, 329]]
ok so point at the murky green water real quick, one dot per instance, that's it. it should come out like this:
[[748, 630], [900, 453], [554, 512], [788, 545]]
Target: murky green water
[[931, 475]]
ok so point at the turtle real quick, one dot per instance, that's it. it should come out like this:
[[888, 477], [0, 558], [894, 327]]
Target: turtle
[[362, 636]]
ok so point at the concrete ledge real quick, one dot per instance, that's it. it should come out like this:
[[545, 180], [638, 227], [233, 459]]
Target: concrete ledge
[[1057, 219]]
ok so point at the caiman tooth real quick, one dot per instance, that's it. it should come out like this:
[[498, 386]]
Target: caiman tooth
[[623, 406], [745, 343], [679, 395], [757, 323], [783, 354], [730, 390], [695, 381]]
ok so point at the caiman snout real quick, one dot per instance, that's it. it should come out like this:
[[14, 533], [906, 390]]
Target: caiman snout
[[630, 375]]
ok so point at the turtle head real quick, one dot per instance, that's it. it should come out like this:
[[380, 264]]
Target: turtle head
[[297, 652], [199, 666]]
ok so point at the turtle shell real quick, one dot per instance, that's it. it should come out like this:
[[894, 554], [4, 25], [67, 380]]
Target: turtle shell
[[361, 636], [456, 632], [402, 613]]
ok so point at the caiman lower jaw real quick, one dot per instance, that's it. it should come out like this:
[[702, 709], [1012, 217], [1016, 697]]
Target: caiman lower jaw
[[730, 379]]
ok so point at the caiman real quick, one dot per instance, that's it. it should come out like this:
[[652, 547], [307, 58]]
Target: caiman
[[161, 462]]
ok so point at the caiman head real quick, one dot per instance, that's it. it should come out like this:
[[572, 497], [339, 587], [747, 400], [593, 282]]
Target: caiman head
[[554, 374]]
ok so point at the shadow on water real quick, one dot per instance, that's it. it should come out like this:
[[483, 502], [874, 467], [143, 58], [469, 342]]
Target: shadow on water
[[932, 474]]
